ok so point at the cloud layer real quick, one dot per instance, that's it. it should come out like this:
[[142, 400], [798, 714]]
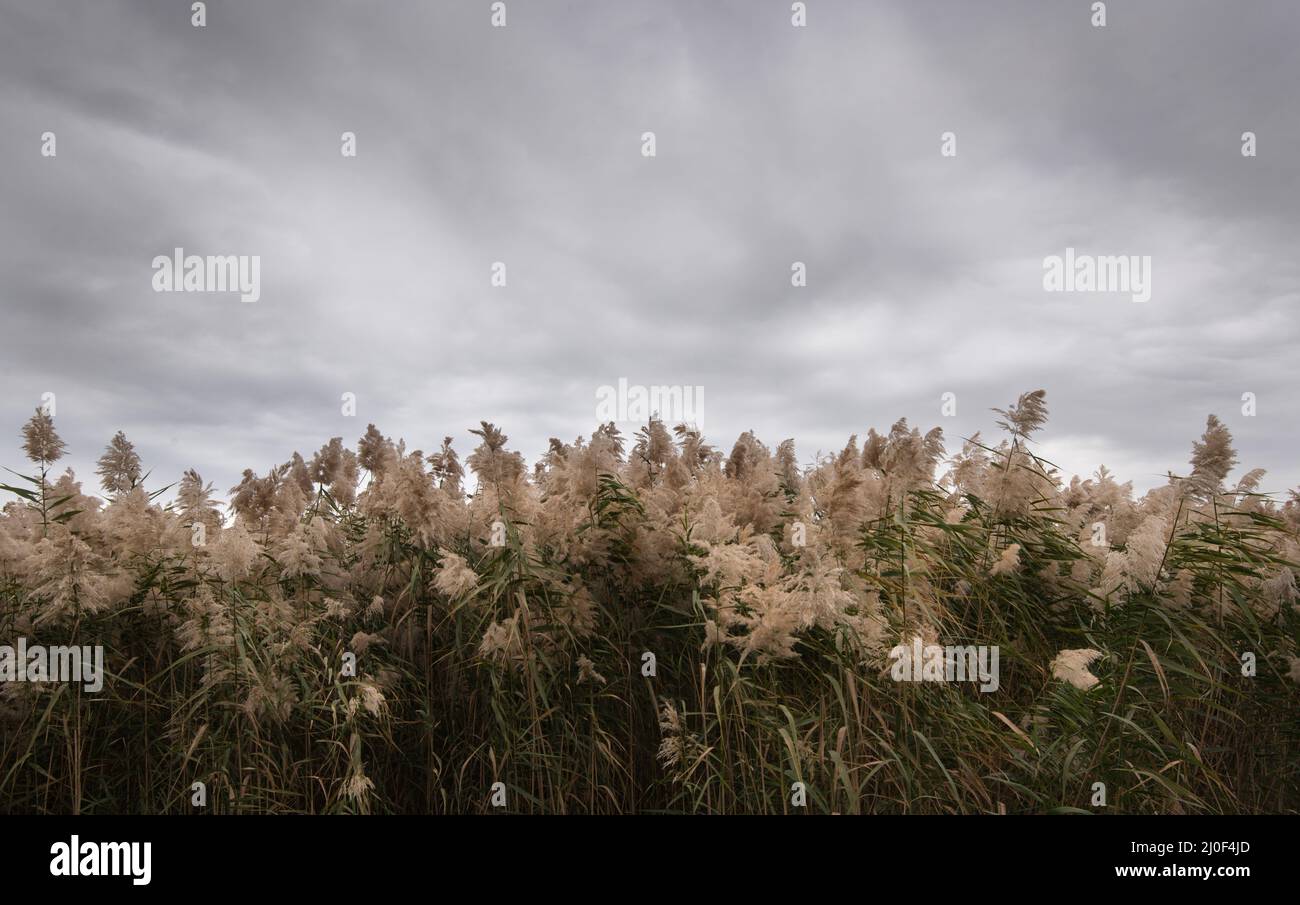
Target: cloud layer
[[774, 145]]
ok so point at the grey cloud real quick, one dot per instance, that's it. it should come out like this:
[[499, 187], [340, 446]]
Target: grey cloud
[[522, 145]]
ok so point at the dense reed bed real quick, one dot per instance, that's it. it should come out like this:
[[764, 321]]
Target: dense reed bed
[[648, 624]]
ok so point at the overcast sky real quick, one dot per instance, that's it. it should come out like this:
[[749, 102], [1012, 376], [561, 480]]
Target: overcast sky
[[774, 144]]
